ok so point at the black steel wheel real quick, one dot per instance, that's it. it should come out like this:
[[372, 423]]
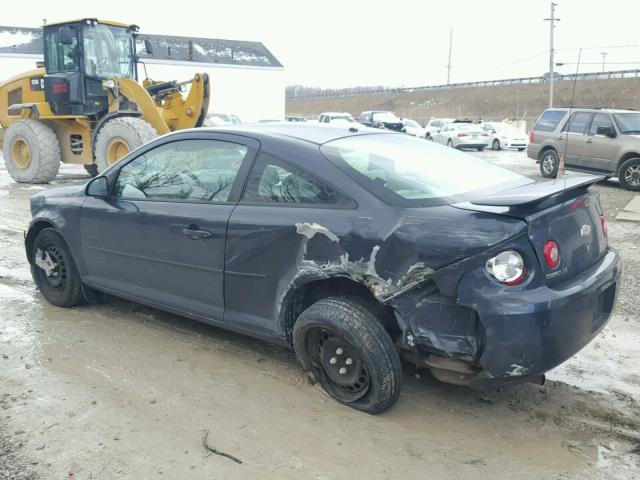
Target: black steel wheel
[[54, 270], [348, 351]]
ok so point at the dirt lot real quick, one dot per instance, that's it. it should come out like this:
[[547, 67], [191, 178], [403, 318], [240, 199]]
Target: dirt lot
[[120, 391]]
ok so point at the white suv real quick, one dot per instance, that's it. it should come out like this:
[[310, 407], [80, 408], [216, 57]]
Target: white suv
[[328, 117]]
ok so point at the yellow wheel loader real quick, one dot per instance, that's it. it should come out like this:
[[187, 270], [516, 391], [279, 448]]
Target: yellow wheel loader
[[84, 104]]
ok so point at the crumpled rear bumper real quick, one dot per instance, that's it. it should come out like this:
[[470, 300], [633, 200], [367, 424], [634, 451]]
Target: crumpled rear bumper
[[533, 331]]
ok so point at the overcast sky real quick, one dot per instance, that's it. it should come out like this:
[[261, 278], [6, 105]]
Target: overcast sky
[[331, 43]]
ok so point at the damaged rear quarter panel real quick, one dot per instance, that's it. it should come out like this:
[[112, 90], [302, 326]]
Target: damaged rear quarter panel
[[273, 251]]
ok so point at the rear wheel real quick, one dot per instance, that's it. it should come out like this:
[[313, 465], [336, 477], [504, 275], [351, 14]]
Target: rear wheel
[[629, 174], [480, 149], [120, 136], [54, 270], [31, 152], [349, 353], [549, 164], [496, 144]]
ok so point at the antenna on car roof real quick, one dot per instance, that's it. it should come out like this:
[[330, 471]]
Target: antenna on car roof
[[560, 170]]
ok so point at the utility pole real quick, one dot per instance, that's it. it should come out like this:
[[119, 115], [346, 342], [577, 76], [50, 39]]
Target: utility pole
[[604, 54], [450, 46], [552, 22]]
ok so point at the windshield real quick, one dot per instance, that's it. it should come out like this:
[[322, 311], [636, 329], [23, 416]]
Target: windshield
[[628, 123], [411, 123], [348, 118], [108, 51], [406, 170]]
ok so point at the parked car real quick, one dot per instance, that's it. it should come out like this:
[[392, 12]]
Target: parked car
[[435, 125], [381, 119], [462, 135], [218, 119], [328, 117], [411, 127], [596, 140], [353, 247], [295, 118], [556, 76], [502, 135]]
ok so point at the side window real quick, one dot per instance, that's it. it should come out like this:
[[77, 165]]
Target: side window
[[577, 123], [189, 170], [600, 120], [549, 120], [275, 182], [61, 58], [327, 119]]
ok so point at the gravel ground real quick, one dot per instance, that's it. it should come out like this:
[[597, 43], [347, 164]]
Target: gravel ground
[[121, 391]]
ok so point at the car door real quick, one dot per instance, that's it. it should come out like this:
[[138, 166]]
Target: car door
[[599, 151], [572, 140], [160, 236], [265, 239]]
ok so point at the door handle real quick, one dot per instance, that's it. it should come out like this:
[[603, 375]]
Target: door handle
[[194, 233]]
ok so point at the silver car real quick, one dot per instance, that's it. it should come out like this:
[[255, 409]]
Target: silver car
[[462, 135]]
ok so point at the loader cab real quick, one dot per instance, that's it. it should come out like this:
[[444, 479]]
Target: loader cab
[[79, 56]]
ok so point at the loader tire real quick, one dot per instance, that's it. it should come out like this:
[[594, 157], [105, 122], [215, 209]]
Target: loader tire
[[119, 137], [31, 152]]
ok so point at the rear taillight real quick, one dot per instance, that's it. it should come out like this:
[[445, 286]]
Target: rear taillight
[[531, 136], [603, 224], [462, 134], [507, 267], [551, 253]]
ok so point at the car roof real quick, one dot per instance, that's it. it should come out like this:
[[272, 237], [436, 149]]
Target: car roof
[[309, 132], [335, 113], [593, 109]]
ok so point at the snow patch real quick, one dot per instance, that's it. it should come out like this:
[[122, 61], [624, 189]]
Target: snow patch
[[310, 229], [12, 39]]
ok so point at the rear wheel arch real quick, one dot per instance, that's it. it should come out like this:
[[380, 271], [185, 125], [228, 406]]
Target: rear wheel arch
[[301, 297], [544, 150]]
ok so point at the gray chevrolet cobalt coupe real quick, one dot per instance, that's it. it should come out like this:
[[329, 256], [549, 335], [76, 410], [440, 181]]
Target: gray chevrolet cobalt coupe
[[353, 246]]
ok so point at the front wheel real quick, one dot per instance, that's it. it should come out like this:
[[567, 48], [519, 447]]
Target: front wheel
[[549, 164], [496, 144], [350, 354], [54, 271], [629, 174]]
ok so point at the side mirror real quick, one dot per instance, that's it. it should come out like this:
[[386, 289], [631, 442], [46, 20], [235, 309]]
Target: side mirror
[[98, 187], [606, 131], [148, 46], [66, 35]]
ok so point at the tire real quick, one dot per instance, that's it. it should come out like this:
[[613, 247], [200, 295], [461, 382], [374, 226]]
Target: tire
[[549, 163], [495, 145], [63, 286], [480, 149], [449, 143], [336, 330], [521, 149], [120, 136], [428, 136], [31, 152], [92, 169], [629, 175]]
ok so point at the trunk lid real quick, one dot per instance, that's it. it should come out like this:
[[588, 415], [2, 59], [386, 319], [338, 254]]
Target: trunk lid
[[564, 211]]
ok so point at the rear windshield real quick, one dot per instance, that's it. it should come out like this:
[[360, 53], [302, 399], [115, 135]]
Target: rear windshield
[[549, 120], [407, 171]]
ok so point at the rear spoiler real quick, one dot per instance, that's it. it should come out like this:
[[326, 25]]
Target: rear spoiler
[[536, 192]]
